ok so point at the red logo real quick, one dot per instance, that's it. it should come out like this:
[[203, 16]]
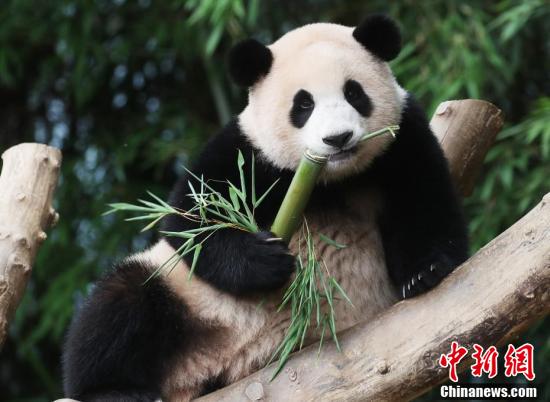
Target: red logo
[[484, 362], [516, 361], [452, 359], [519, 361]]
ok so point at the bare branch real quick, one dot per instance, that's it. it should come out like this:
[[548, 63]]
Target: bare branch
[[466, 130], [28, 180]]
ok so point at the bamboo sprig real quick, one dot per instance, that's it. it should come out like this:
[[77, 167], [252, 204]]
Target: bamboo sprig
[[389, 129], [211, 211], [312, 284]]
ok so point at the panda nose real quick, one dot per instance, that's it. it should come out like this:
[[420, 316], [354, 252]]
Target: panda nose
[[338, 140]]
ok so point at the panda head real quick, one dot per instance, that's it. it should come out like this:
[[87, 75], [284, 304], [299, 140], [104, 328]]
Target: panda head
[[321, 87]]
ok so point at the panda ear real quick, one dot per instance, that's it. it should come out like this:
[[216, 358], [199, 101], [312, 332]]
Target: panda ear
[[380, 35], [249, 60]]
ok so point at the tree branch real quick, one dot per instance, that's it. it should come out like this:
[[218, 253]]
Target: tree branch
[[466, 130], [28, 180]]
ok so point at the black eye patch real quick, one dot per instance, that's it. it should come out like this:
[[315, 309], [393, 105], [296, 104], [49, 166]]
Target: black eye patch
[[302, 107], [356, 97]]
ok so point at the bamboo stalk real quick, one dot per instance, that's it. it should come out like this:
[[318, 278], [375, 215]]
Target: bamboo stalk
[[290, 213]]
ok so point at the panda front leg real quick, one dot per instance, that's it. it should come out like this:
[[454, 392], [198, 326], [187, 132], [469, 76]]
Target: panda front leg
[[241, 263], [232, 260], [422, 225]]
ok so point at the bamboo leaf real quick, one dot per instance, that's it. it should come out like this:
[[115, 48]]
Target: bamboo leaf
[[253, 189], [328, 240], [160, 201], [240, 164], [234, 198], [151, 224], [265, 194], [196, 254], [341, 291]]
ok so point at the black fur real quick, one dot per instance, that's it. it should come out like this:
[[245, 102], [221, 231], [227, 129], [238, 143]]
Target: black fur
[[338, 140], [356, 97], [233, 260], [423, 229], [249, 60], [213, 385], [123, 339], [302, 108], [380, 35], [421, 223]]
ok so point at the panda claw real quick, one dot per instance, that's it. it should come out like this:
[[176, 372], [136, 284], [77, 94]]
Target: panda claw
[[403, 291]]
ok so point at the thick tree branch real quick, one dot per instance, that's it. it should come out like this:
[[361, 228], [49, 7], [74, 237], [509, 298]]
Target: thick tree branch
[[466, 130], [28, 180]]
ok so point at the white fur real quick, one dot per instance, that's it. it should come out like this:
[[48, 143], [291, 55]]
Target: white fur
[[332, 115], [319, 58]]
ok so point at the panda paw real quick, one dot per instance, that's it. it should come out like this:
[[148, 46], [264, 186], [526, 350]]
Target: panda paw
[[427, 278], [270, 261]]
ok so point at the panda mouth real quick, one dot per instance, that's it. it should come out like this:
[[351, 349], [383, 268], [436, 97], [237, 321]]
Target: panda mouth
[[343, 154]]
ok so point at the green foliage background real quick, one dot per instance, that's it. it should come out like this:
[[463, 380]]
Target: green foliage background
[[131, 90]]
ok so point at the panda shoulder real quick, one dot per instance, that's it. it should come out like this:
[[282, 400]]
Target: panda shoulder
[[219, 156], [413, 116]]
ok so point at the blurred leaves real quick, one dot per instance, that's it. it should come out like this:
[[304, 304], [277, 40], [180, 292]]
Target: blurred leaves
[[131, 90], [516, 178]]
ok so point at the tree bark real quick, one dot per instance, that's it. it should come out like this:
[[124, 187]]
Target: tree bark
[[466, 130], [488, 300], [27, 183]]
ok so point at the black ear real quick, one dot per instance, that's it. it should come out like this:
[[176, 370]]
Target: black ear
[[380, 35], [249, 60]]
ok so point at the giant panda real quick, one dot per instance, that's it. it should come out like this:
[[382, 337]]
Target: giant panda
[[390, 201]]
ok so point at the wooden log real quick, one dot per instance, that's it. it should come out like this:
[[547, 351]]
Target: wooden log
[[466, 130], [489, 300], [27, 183]]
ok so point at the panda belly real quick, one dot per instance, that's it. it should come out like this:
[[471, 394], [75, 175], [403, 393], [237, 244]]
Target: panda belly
[[360, 267], [244, 333]]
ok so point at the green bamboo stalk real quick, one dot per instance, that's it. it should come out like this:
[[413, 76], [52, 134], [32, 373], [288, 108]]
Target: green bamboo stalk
[[292, 208], [390, 129], [290, 213]]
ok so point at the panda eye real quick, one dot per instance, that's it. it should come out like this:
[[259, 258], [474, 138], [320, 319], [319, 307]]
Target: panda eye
[[352, 91], [302, 108], [356, 97], [306, 103]]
